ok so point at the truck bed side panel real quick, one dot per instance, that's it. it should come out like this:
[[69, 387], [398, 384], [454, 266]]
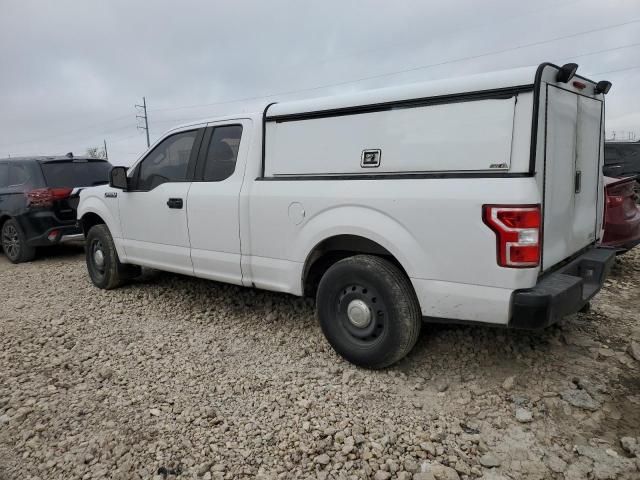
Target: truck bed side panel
[[432, 226]]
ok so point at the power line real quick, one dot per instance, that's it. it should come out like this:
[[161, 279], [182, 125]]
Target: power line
[[466, 29], [128, 137], [606, 50], [70, 132], [408, 70], [355, 54], [618, 70], [397, 72], [587, 54], [186, 120], [58, 138], [596, 52], [473, 57], [192, 118], [290, 92]]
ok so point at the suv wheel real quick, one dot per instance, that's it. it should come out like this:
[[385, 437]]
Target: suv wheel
[[14, 243], [368, 311], [103, 263]]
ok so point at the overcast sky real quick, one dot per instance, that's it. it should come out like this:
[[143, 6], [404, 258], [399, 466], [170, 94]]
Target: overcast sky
[[71, 71]]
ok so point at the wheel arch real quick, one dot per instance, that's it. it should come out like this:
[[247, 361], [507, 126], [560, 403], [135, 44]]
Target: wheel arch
[[335, 248], [90, 219], [357, 229], [91, 203], [4, 218], [92, 211]]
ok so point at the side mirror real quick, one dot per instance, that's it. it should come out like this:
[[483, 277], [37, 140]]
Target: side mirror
[[118, 178]]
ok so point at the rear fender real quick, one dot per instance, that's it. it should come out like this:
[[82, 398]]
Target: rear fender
[[365, 222]]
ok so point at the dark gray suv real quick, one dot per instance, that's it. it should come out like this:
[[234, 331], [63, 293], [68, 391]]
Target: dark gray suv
[[38, 200]]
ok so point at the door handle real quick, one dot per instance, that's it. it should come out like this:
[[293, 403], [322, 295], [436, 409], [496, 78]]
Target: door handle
[[174, 203]]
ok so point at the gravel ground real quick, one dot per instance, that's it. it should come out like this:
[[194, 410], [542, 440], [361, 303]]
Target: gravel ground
[[174, 377]]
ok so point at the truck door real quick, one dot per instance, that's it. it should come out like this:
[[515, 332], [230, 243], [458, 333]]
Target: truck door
[[213, 203], [572, 178], [153, 212]]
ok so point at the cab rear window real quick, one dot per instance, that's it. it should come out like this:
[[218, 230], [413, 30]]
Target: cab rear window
[[76, 173]]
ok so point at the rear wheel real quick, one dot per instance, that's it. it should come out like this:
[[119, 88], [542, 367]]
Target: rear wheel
[[14, 243], [105, 269], [368, 311]]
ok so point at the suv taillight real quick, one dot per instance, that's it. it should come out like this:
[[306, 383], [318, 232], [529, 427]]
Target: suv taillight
[[517, 229], [44, 197], [618, 192]]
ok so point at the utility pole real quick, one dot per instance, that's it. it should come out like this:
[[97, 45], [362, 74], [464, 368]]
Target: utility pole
[[145, 117], [106, 154]]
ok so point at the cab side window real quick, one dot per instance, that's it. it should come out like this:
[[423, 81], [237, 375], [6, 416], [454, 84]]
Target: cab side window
[[167, 162], [222, 153], [4, 175]]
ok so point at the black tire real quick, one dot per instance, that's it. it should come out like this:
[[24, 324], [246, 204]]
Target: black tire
[[14, 243], [109, 273], [390, 305]]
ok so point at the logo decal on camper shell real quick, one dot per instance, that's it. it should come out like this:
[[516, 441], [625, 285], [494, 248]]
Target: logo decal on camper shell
[[499, 165]]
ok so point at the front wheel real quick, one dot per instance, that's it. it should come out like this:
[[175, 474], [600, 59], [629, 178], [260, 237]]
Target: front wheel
[[103, 264], [368, 311]]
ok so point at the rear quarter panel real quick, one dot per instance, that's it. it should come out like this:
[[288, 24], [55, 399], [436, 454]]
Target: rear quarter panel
[[433, 227]]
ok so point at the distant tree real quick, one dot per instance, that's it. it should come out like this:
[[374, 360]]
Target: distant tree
[[96, 152]]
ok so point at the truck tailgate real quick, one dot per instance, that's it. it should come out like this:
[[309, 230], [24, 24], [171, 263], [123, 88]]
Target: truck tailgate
[[573, 190]]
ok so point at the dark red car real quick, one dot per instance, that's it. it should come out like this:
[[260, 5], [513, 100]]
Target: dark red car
[[621, 214]]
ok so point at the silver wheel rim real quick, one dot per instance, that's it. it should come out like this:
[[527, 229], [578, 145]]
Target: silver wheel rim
[[11, 241], [362, 312], [97, 256], [359, 313]]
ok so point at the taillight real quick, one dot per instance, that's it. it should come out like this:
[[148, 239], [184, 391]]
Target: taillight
[[619, 191], [517, 229], [44, 197], [614, 201]]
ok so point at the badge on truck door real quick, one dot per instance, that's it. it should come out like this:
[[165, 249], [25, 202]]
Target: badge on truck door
[[370, 158]]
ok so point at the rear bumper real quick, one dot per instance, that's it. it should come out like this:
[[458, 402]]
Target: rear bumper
[[72, 238], [562, 292], [44, 228], [623, 236], [57, 234]]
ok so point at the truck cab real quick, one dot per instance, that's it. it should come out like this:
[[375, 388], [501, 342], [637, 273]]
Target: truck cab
[[376, 205]]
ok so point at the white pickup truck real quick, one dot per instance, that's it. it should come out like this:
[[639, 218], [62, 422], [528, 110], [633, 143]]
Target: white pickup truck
[[477, 199]]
